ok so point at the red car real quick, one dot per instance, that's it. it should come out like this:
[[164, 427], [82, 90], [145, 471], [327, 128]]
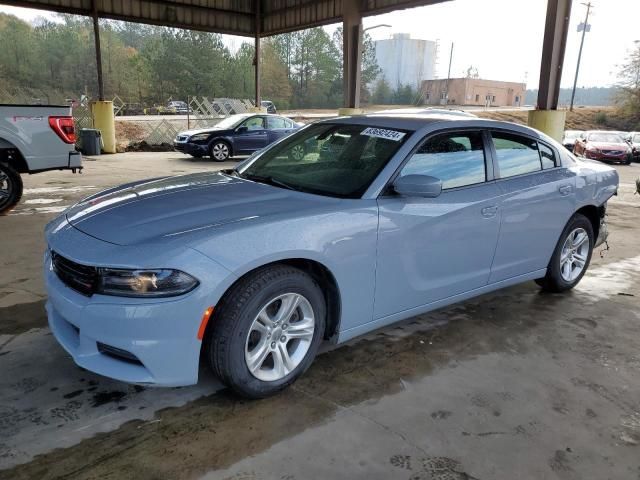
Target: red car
[[603, 146]]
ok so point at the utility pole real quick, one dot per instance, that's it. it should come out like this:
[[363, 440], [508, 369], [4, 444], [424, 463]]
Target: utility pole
[[585, 27], [446, 93]]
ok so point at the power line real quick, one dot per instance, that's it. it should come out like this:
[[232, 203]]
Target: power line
[[585, 28]]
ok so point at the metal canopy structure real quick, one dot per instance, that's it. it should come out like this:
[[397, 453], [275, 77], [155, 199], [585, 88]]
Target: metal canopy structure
[[263, 18], [234, 17]]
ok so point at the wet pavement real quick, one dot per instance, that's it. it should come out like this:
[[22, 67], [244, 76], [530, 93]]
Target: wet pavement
[[514, 384]]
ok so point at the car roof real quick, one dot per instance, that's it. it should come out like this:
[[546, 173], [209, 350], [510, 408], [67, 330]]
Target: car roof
[[419, 121]]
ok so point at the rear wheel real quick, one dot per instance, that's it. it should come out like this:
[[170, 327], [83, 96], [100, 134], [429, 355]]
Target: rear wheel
[[267, 330], [571, 257], [10, 188], [219, 151], [297, 152]]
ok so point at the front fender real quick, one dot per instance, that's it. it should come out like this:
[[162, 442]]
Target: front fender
[[343, 241]]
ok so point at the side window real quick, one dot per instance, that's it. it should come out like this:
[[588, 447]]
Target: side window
[[276, 122], [289, 123], [547, 156], [255, 123], [455, 158], [516, 155]]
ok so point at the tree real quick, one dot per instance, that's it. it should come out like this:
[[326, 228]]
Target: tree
[[629, 83], [274, 76], [382, 94]]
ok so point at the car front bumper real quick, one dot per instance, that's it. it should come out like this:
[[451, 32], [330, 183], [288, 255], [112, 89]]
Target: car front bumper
[[190, 148], [136, 340]]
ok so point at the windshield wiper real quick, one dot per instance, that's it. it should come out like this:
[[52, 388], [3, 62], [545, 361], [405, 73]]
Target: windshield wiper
[[268, 180]]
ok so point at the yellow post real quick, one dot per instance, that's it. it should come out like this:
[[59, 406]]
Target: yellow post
[[550, 122], [258, 110], [104, 120], [346, 112]]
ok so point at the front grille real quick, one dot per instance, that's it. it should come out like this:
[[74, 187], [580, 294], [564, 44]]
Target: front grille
[[612, 152], [81, 278]]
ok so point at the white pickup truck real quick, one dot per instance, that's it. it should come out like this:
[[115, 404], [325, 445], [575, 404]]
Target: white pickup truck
[[34, 139]]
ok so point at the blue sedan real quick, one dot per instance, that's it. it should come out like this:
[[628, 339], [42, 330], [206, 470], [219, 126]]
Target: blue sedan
[[384, 217], [241, 134]]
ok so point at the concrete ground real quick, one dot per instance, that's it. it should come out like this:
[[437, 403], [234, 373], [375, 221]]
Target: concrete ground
[[515, 384]]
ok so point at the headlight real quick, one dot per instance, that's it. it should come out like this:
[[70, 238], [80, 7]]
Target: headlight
[[144, 283], [199, 137]]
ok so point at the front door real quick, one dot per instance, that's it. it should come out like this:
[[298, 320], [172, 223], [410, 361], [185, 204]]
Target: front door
[[538, 198], [433, 248], [253, 138]]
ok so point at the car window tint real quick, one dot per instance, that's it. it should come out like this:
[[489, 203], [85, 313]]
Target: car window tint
[[547, 156], [254, 123], [455, 158], [516, 155], [277, 122]]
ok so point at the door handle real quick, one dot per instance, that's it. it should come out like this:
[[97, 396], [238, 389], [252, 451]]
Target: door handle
[[565, 189], [489, 211]]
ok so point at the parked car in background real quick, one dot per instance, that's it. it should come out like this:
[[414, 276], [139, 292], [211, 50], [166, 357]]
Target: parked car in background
[[240, 134], [271, 108], [131, 109], [569, 138], [251, 269], [634, 141], [34, 139], [181, 108], [603, 146]]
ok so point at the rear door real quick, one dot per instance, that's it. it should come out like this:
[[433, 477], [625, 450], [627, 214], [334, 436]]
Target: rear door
[[278, 127], [538, 198], [433, 248]]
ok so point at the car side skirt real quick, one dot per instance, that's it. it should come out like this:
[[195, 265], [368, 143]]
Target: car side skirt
[[345, 335]]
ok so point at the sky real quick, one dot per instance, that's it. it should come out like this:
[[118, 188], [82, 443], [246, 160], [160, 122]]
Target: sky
[[501, 38]]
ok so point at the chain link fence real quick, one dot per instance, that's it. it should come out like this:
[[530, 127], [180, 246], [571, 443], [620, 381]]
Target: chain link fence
[[132, 125]]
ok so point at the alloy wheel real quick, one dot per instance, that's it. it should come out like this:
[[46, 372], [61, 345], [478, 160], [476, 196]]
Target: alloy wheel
[[279, 337], [5, 187], [297, 152], [575, 253], [220, 151]]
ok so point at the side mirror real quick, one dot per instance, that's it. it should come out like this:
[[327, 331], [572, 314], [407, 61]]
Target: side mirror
[[418, 186], [242, 129]]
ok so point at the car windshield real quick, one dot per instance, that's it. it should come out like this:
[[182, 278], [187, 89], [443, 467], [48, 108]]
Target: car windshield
[[605, 137], [327, 159], [231, 122], [636, 138]]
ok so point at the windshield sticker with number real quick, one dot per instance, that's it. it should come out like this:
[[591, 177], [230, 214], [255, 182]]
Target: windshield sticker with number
[[383, 133]]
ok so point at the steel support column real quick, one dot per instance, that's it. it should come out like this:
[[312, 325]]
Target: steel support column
[[96, 36], [256, 58], [553, 49], [351, 52]]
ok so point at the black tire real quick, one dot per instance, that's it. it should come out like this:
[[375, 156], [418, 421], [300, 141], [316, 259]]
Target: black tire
[[232, 320], [628, 160], [554, 281], [219, 151], [10, 188]]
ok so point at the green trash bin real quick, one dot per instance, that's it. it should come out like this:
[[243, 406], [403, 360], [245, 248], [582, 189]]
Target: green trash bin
[[90, 141]]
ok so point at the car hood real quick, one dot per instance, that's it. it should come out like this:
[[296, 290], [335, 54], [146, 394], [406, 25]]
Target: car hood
[[201, 130], [175, 206], [608, 146]]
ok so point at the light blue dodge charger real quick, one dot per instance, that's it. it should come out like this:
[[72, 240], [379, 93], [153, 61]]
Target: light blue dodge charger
[[382, 218]]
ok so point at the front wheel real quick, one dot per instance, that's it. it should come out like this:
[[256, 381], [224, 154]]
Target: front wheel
[[220, 151], [267, 330], [571, 257], [10, 188]]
